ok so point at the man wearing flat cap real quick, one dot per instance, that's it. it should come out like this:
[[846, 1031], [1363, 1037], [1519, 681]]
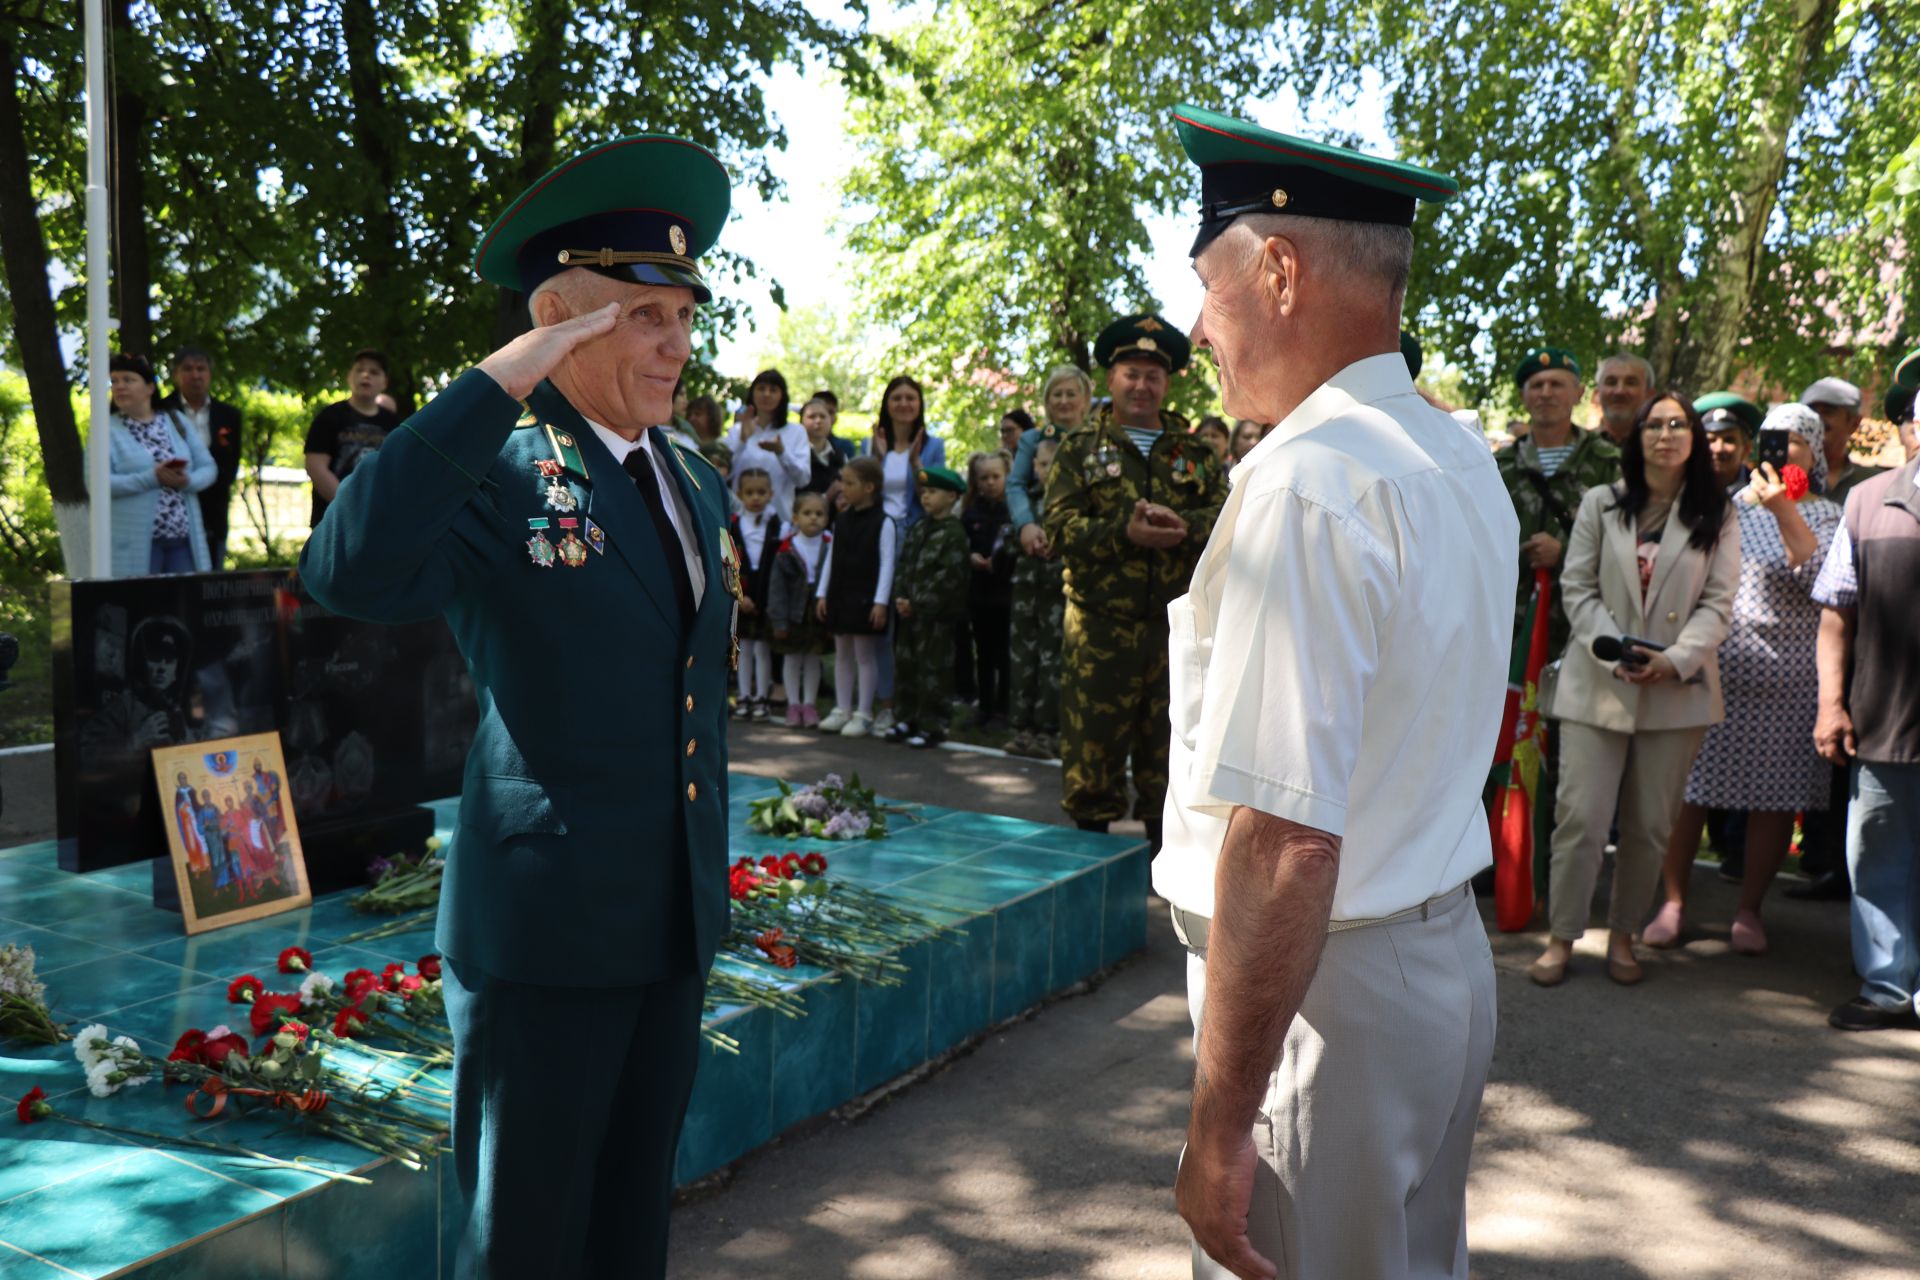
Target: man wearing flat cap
[[1130, 502], [1338, 673], [1837, 401], [580, 558]]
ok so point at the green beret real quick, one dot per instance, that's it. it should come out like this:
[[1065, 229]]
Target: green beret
[[1246, 169], [1898, 404], [942, 478], [1146, 335], [641, 209], [1724, 410], [1411, 352], [1907, 372], [1541, 359]]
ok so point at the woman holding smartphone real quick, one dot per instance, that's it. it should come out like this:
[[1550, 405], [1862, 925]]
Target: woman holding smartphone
[[1657, 557], [156, 462]]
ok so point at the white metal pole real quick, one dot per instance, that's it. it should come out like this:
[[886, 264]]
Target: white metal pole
[[99, 396]]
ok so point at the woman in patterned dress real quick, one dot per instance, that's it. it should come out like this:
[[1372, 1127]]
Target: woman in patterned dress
[[156, 465], [1761, 758]]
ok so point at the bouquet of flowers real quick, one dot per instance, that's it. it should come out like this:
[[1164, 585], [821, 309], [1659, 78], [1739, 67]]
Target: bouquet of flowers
[[23, 1000], [831, 809], [406, 887]]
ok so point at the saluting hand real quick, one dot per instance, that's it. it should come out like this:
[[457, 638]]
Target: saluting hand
[[522, 364]]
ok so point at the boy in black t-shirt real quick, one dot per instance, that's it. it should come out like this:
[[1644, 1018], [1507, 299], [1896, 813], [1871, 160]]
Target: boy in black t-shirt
[[347, 429]]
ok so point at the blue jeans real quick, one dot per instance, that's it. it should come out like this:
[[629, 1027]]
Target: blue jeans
[[1883, 853], [170, 555]]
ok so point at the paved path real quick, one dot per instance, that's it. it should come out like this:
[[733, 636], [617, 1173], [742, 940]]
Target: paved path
[[1704, 1124]]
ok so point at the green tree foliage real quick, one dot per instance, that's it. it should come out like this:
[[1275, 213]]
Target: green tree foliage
[[819, 346], [1692, 177]]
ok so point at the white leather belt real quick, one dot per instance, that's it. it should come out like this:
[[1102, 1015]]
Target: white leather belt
[[1192, 928]]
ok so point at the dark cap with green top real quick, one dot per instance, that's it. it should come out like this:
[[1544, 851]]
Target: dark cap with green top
[[1546, 360], [642, 209], [1246, 169], [942, 478], [1724, 411], [1147, 336]]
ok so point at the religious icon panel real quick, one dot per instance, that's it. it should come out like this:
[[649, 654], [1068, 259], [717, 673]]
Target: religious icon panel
[[231, 830]]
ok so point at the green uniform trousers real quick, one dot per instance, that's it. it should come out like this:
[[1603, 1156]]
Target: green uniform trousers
[[1113, 710], [1039, 613], [923, 658], [568, 1103]]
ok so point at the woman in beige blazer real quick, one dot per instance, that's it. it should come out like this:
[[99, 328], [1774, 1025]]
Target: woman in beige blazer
[[1656, 557]]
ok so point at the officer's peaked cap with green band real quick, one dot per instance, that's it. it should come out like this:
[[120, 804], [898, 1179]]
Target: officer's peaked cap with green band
[[1150, 336], [642, 208], [1246, 169], [1541, 359], [1723, 411], [1906, 374]]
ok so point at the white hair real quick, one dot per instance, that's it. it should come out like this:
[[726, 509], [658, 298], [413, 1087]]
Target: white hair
[[570, 286], [1627, 357], [1379, 251]]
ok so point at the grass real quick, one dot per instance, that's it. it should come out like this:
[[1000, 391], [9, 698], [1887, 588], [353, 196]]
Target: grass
[[26, 706]]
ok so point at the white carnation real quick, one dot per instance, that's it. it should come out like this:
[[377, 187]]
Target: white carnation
[[90, 1046], [314, 988], [97, 1078]]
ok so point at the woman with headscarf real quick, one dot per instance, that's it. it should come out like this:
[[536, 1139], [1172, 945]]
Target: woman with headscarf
[[1760, 759]]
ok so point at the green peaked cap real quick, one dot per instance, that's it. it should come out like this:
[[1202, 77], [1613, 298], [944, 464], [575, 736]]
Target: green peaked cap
[[1723, 409], [1246, 169], [1541, 359], [942, 478], [641, 208]]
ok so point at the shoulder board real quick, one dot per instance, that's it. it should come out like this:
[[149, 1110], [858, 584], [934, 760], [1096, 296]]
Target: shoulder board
[[697, 456], [566, 450]]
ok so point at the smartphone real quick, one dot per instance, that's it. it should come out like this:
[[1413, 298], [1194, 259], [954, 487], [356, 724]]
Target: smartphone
[[1773, 447]]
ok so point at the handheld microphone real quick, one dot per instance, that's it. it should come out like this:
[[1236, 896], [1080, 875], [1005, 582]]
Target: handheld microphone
[[1624, 650]]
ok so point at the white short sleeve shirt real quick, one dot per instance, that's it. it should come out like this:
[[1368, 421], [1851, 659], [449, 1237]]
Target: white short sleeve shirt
[[1340, 659]]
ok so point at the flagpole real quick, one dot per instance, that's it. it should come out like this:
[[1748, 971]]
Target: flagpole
[[99, 384]]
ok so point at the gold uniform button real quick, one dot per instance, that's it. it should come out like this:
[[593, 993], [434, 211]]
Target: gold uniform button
[[1673, 617], [689, 702], [693, 792], [689, 662], [690, 746]]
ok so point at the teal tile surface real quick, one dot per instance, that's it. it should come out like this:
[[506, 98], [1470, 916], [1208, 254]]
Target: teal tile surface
[[1078, 913], [19, 875], [1088, 844], [878, 865], [1022, 954], [890, 1022], [970, 886], [254, 1250], [731, 1111], [15, 1265], [135, 877], [69, 898], [48, 1152], [960, 983], [1029, 860], [1124, 921], [813, 1056], [53, 951], [253, 947], [127, 926], [162, 1021], [380, 1230], [152, 1201], [83, 990]]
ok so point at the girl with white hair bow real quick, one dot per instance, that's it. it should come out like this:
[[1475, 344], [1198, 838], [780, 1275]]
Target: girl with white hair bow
[[1760, 759]]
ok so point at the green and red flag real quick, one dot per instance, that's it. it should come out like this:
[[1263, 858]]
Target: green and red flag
[[1520, 755]]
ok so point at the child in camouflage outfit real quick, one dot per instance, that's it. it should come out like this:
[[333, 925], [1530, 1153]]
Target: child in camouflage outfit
[[930, 599], [1039, 616]]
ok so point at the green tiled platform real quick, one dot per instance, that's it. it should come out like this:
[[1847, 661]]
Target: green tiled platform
[[1030, 910]]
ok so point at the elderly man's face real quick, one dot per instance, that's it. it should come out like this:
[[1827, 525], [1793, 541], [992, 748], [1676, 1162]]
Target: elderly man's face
[[1841, 422], [1549, 397], [1620, 390], [625, 377], [1729, 452]]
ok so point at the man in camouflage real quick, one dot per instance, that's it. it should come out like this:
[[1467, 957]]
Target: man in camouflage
[[930, 597], [1130, 504]]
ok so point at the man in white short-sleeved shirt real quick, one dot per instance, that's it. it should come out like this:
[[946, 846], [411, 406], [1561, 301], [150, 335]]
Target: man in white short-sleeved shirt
[[1338, 672]]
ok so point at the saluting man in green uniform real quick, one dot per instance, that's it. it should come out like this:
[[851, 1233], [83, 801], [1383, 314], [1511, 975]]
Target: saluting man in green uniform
[[1130, 503], [582, 562]]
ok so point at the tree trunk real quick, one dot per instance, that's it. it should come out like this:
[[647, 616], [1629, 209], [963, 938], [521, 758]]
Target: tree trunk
[[132, 266], [387, 279], [23, 253], [1729, 267], [543, 37]]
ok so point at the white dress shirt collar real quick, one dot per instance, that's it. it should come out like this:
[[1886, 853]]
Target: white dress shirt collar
[[1365, 381]]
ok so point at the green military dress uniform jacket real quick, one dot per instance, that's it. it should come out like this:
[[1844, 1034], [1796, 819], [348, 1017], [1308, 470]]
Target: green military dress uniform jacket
[[591, 848], [1097, 477], [1548, 504]]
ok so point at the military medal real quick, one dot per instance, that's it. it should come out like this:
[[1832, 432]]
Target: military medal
[[539, 550], [596, 537], [730, 565], [560, 498], [573, 552]]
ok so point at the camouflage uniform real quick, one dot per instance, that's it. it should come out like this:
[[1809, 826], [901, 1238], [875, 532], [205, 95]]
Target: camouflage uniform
[[1594, 460], [1113, 685], [933, 577], [1039, 616]]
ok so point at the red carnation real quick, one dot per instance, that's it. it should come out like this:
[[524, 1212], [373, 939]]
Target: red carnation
[[814, 864], [190, 1047], [348, 1021], [410, 984], [266, 1009], [429, 967], [770, 865], [299, 1029], [218, 1049], [359, 982], [296, 960], [244, 989], [1796, 480], [790, 865], [391, 975], [31, 1107]]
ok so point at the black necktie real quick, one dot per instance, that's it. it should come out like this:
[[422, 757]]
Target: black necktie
[[639, 465]]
